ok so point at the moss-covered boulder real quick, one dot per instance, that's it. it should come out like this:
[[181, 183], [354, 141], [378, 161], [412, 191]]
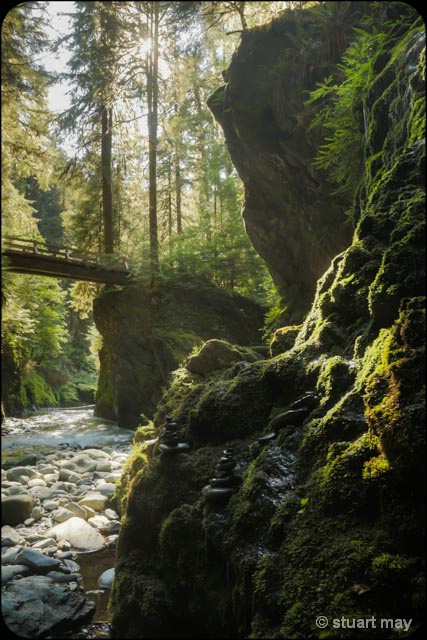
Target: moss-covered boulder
[[148, 330], [283, 339], [219, 354], [328, 517]]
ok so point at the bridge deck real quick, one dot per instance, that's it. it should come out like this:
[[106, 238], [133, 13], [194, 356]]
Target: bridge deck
[[39, 258]]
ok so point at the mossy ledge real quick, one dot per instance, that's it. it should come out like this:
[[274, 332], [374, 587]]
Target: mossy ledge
[[149, 328], [328, 519]]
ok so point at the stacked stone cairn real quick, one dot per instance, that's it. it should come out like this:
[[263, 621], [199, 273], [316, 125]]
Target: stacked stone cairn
[[293, 418], [169, 439], [225, 482]]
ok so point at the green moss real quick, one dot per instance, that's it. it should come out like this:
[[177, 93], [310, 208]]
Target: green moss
[[35, 391], [284, 339], [229, 408], [135, 463], [336, 376], [376, 467], [327, 518], [145, 432], [394, 389], [140, 600], [340, 484], [106, 406]]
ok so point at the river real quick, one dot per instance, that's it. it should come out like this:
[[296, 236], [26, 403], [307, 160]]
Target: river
[[71, 430]]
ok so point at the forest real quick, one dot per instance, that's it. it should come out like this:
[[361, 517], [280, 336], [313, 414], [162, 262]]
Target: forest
[[213, 319], [135, 166]]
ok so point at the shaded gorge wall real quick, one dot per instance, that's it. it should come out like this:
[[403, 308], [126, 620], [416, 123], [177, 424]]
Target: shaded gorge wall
[[328, 518]]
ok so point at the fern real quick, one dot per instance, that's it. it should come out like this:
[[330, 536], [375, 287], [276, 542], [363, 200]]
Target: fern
[[341, 110]]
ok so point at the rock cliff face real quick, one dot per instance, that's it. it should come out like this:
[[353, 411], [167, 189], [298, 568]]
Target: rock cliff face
[[291, 215], [147, 332], [327, 520]]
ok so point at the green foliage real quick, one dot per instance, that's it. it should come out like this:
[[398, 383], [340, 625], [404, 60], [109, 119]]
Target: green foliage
[[341, 101], [341, 154]]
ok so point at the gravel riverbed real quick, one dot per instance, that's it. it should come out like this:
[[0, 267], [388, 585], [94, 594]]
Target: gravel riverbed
[[58, 533]]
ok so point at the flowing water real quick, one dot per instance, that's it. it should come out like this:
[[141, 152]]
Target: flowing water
[[51, 431], [47, 431]]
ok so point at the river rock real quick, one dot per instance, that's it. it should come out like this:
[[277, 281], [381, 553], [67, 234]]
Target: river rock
[[44, 544], [37, 512], [17, 472], [60, 485], [30, 460], [89, 511], [15, 491], [7, 484], [69, 476], [47, 468], [50, 505], [37, 561], [112, 540], [94, 500], [106, 488], [99, 522], [62, 514], [64, 555], [111, 514], [106, 578], [37, 482], [49, 493], [58, 576], [103, 465], [72, 565], [97, 454], [16, 509], [112, 526], [64, 545], [8, 555], [29, 522], [10, 571], [51, 477], [32, 537], [77, 510], [78, 533], [35, 607], [80, 464], [9, 536], [113, 477]]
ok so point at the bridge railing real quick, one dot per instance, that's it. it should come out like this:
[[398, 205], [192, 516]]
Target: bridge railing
[[32, 246]]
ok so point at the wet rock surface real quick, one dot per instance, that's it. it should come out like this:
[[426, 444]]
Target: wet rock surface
[[35, 606], [327, 434], [54, 509]]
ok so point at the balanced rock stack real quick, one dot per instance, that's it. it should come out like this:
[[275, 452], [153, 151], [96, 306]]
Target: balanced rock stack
[[169, 439], [294, 417], [225, 482]]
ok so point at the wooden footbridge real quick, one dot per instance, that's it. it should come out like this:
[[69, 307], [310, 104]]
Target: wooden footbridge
[[41, 258]]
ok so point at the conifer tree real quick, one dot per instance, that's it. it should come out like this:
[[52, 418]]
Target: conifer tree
[[95, 78]]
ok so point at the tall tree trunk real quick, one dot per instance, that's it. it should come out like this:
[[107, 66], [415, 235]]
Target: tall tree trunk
[[153, 97], [178, 193], [241, 12], [204, 193], [170, 202], [107, 186]]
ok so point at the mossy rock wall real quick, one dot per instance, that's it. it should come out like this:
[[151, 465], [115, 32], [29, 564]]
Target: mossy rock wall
[[328, 519], [147, 331]]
